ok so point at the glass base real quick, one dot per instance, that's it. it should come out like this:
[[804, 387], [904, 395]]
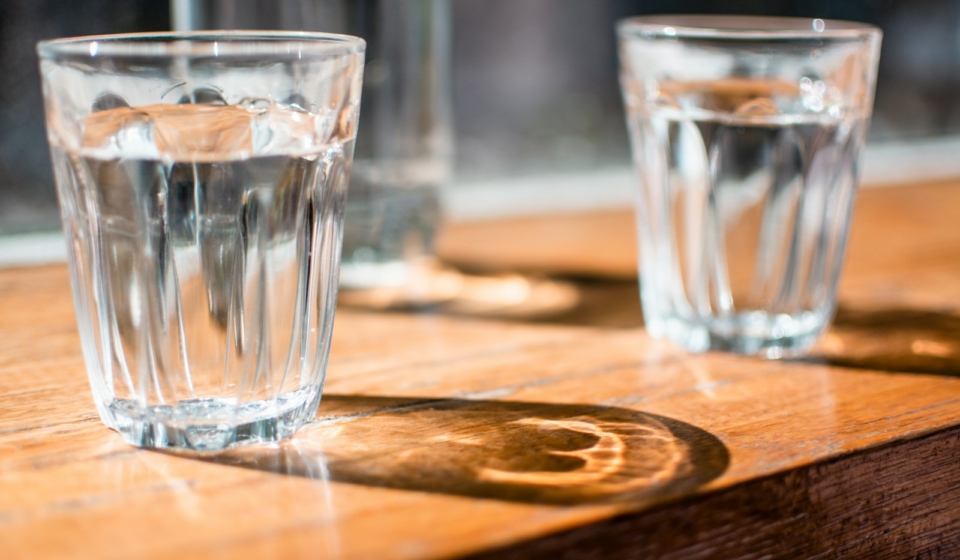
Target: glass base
[[753, 333], [211, 425]]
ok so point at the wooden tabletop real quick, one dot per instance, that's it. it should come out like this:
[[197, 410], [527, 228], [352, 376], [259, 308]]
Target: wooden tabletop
[[523, 412]]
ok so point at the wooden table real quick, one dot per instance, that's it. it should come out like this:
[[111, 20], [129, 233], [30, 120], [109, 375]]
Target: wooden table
[[531, 416]]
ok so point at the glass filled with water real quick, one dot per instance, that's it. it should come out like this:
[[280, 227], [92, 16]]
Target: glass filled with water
[[746, 134], [404, 148], [202, 181]]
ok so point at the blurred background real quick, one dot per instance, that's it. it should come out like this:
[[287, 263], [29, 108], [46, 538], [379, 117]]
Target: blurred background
[[536, 111]]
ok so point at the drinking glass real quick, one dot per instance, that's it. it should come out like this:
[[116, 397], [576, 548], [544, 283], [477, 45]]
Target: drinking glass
[[404, 148], [746, 134], [202, 180]]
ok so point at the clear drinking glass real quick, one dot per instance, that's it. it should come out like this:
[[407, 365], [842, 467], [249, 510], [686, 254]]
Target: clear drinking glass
[[202, 180], [404, 147], [746, 135]]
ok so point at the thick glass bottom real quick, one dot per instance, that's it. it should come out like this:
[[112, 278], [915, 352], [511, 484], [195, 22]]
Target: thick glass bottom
[[212, 425], [754, 333]]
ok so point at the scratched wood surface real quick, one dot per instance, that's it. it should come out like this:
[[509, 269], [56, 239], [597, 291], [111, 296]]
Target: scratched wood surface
[[529, 415]]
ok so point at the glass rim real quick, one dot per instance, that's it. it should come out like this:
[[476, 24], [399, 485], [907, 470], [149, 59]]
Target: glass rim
[[221, 44], [703, 26]]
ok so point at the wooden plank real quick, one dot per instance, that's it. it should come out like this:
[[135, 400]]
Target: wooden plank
[[561, 434], [898, 501]]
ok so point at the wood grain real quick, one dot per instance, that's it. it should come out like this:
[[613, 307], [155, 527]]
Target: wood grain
[[881, 504], [566, 433]]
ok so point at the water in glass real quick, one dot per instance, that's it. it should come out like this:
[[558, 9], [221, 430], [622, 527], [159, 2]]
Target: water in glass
[[747, 186], [202, 239]]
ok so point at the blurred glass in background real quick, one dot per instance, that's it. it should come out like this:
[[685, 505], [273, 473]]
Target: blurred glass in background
[[537, 117], [404, 145]]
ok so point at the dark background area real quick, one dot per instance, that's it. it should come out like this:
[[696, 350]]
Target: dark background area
[[534, 81], [27, 198]]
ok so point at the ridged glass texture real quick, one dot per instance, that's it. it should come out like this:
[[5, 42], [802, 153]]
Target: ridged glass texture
[[204, 236], [746, 151]]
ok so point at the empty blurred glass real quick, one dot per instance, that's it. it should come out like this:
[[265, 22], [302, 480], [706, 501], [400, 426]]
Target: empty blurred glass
[[746, 136], [404, 145], [202, 180]]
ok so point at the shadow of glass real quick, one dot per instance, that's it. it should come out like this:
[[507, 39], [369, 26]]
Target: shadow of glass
[[602, 303], [893, 339], [515, 451], [441, 289]]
